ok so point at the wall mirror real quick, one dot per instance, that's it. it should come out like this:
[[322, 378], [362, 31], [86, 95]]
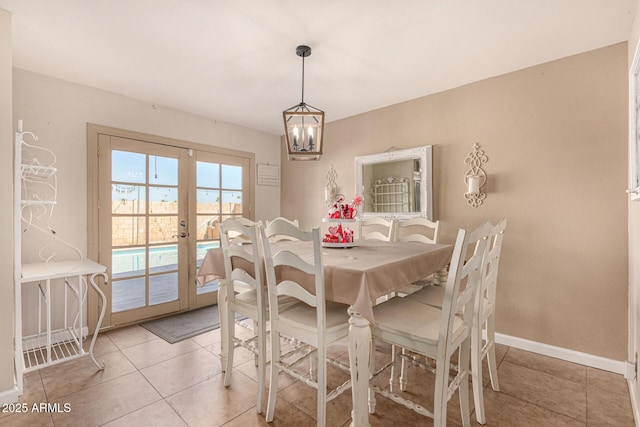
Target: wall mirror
[[396, 184]]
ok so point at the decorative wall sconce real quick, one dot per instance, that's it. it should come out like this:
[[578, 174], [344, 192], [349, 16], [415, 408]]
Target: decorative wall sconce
[[475, 178], [331, 190]]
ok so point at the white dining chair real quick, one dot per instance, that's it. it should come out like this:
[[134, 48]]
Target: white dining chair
[[313, 321], [276, 238], [377, 228], [422, 230], [417, 229], [235, 236], [244, 294], [483, 333], [436, 333]]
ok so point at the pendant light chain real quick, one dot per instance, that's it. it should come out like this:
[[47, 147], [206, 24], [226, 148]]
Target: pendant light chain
[[302, 101]]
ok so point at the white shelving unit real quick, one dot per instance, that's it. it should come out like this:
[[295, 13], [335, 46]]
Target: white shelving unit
[[35, 191], [391, 195], [49, 346]]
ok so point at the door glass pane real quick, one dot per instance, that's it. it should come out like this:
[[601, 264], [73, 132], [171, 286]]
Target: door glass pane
[[163, 200], [207, 175], [128, 262], [208, 227], [163, 258], [128, 230], [208, 201], [232, 177], [163, 288], [128, 199], [232, 202], [163, 170], [128, 167], [224, 217], [127, 294], [163, 229]]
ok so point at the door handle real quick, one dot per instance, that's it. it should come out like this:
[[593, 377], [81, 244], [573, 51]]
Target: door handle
[[184, 233]]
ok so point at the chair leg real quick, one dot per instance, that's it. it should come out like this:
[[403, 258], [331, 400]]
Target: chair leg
[[463, 389], [224, 327], [273, 375], [491, 354], [322, 385], [230, 315], [476, 372], [440, 393], [260, 358], [372, 369], [398, 378], [312, 367], [255, 333], [403, 371], [392, 376]]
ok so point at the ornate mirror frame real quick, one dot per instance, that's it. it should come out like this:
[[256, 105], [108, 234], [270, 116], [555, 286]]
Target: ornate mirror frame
[[423, 179]]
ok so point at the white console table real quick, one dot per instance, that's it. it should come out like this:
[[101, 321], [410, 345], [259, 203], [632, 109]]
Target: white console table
[[51, 346]]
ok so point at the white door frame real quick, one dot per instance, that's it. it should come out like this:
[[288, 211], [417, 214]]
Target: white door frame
[[634, 235]]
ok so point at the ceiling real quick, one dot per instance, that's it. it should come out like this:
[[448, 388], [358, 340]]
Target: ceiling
[[235, 60]]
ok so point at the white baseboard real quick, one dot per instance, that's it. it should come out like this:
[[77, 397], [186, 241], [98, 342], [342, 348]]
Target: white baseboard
[[615, 366], [8, 396]]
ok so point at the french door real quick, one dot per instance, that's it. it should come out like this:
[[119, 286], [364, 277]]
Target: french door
[[159, 209], [220, 191]]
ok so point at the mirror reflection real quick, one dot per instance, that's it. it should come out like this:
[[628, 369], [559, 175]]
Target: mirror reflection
[[395, 183]]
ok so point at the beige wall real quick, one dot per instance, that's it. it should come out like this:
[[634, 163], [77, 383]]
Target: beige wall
[[6, 212], [556, 139], [58, 112]]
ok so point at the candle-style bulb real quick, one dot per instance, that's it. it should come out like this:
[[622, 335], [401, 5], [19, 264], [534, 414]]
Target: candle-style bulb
[[310, 132], [295, 138]]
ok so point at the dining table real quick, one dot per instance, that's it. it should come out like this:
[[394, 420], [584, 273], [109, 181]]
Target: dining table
[[357, 276]]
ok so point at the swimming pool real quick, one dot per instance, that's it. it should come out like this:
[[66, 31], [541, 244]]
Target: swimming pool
[[131, 261]]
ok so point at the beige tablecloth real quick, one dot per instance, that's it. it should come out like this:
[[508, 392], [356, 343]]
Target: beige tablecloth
[[355, 276]]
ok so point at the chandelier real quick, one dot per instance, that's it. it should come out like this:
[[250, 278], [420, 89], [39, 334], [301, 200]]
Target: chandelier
[[303, 124]]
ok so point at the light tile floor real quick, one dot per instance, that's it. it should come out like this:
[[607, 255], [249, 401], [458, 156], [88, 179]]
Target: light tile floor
[[148, 382]]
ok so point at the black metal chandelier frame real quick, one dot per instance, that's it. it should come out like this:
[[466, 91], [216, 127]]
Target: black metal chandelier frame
[[300, 121]]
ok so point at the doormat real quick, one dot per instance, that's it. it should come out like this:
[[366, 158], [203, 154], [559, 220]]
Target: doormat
[[185, 325]]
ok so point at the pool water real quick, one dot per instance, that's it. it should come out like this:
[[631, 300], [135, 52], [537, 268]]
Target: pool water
[[132, 261]]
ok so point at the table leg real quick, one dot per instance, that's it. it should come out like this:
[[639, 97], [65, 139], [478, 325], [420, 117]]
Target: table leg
[[359, 359], [441, 276], [222, 317]]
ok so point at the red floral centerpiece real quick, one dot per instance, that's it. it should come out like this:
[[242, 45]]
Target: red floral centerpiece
[[338, 234], [342, 211], [345, 210]]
